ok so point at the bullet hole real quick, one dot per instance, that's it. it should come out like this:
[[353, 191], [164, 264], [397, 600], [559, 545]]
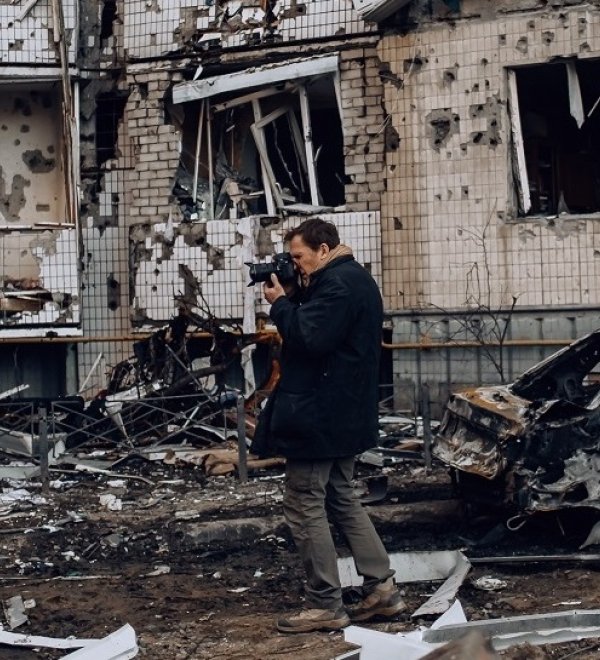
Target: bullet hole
[[522, 45], [42, 208], [476, 111], [531, 25], [24, 128], [449, 76], [143, 89], [547, 37], [156, 272], [437, 197], [463, 148], [4, 127], [475, 87], [502, 39], [585, 47], [484, 61], [36, 162], [17, 142], [464, 192], [23, 254], [443, 124], [414, 64], [398, 223], [487, 84], [50, 149], [154, 288], [16, 45]]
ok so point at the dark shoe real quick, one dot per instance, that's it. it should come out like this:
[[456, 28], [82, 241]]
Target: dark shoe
[[384, 601], [313, 619]]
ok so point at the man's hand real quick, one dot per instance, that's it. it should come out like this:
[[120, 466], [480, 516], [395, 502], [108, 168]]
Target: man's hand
[[274, 290]]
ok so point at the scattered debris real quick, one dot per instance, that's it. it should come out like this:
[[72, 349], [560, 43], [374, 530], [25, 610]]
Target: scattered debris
[[488, 583], [535, 629], [14, 611]]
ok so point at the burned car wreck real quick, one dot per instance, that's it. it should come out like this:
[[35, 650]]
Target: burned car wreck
[[532, 445]]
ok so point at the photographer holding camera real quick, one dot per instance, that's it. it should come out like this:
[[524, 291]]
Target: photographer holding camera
[[321, 415]]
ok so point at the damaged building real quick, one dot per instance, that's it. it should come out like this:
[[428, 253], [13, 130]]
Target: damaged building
[[156, 147]]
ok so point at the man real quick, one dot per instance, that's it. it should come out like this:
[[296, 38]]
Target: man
[[322, 414]]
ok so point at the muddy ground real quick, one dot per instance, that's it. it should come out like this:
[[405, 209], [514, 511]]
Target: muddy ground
[[219, 599]]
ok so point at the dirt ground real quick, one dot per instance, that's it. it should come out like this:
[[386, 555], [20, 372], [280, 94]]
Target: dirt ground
[[220, 599]]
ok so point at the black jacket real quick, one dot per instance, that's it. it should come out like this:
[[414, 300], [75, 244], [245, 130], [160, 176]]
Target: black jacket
[[325, 405]]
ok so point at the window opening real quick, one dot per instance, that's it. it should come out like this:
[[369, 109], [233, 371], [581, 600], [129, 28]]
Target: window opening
[[557, 106]]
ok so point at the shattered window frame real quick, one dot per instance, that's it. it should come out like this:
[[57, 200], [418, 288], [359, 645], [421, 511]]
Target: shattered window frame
[[553, 140], [273, 112]]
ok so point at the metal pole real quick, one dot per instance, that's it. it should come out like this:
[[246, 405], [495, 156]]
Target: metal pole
[[43, 448], [426, 415], [242, 449]]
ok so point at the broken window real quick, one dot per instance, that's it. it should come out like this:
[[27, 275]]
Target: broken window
[[556, 137], [251, 147]]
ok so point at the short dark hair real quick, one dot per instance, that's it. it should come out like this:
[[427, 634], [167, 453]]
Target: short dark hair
[[315, 231]]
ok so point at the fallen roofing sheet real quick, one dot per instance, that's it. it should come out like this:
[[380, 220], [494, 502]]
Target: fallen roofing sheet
[[120, 645], [536, 629]]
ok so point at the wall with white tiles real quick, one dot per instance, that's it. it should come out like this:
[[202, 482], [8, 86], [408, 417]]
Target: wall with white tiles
[[26, 32], [449, 233]]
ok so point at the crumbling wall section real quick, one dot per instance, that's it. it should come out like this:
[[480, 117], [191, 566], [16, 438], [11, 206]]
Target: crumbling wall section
[[26, 33], [156, 147], [157, 28], [364, 127], [451, 235]]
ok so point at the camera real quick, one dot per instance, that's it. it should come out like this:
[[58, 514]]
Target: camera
[[282, 265]]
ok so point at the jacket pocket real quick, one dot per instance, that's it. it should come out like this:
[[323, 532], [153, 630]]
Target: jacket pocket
[[295, 414]]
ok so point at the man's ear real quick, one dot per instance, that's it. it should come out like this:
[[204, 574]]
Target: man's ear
[[324, 249]]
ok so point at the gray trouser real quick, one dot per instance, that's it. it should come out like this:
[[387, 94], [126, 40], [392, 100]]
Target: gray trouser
[[313, 489]]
